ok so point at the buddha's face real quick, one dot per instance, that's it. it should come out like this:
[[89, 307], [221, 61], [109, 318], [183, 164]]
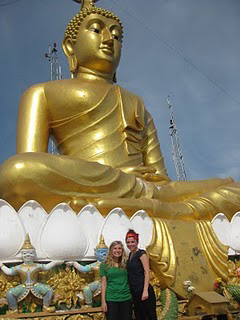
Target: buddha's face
[[98, 44]]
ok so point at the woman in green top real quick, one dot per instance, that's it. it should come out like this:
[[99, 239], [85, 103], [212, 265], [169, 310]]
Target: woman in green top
[[116, 297]]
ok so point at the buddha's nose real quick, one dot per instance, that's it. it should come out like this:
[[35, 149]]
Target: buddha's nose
[[107, 38]]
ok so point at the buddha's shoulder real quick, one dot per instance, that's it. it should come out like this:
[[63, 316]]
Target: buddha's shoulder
[[50, 86], [130, 95], [61, 86], [67, 84]]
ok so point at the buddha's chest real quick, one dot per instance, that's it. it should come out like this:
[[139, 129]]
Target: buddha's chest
[[83, 105], [91, 115]]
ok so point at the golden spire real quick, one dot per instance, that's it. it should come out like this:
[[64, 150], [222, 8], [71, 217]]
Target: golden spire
[[101, 244], [27, 243]]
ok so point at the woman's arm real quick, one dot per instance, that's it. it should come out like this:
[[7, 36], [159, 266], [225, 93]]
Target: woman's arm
[[145, 262], [103, 293]]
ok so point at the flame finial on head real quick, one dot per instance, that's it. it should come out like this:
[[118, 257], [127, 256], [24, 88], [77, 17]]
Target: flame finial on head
[[86, 3]]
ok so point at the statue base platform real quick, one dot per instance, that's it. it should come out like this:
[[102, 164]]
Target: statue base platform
[[97, 314], [83, 313], [187, 251]]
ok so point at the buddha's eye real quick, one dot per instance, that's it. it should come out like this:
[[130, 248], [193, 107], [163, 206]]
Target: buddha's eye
[[116, 35], [95, 27], [95, 30]]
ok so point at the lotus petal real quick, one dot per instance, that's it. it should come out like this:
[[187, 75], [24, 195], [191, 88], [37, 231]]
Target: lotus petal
[[235, 232], [62, 237], [115, 226], [33, 217], [221, 227], [143, 225], [91, 222], [12, 232]]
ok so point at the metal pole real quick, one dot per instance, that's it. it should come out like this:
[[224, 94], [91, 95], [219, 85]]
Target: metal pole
[[175, 146]]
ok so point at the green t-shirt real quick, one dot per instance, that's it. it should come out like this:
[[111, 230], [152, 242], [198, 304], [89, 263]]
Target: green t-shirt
[[117, 283]]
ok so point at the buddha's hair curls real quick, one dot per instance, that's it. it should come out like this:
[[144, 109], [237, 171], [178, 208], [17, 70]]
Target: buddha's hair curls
[[74, 24]]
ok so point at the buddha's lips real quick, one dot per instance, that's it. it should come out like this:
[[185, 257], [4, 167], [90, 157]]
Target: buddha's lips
[[107, 50]]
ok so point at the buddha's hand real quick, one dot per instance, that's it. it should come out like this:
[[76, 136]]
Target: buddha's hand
[[146, 173], [155, 177], [139, 171]]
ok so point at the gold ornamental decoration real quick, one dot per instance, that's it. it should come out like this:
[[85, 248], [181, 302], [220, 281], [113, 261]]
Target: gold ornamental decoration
[[215, 252], [162, 254]]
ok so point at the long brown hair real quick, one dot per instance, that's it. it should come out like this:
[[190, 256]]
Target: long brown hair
[[122, 260]]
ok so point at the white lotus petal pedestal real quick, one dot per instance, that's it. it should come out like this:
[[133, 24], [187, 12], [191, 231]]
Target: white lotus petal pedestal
[[178, 250]]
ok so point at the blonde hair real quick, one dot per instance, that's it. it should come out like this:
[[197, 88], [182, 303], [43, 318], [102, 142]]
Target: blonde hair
[[122, 260]]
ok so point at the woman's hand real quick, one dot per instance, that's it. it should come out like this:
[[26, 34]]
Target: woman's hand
[[103, 293], [104, 307], [144, 295]]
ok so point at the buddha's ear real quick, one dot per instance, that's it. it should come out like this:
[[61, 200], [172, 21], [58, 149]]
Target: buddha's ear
[[68, 48]]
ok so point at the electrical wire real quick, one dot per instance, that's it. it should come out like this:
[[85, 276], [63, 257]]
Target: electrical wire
[[210, 79], [8, 3]]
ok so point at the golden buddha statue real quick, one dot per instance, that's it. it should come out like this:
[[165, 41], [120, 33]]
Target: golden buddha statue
[[109, 150]]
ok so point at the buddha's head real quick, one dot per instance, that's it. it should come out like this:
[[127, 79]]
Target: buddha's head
[[93, 40]]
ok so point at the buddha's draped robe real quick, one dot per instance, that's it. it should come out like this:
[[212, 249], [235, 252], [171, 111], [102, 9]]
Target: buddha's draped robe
[[98, 143]]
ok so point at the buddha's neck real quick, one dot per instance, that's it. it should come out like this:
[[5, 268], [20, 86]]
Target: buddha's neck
[[88, 74]]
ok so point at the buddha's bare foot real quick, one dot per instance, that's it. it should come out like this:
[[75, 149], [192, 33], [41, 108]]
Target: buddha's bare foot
[[77, 204], [129, 206]]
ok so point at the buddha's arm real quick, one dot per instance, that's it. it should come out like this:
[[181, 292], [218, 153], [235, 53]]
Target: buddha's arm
[[33, 121], [152, 155]]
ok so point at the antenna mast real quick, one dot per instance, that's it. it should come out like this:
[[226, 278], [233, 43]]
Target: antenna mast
[[175, 144], [55, 74]]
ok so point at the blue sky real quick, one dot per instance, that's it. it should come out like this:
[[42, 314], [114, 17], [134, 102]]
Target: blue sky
[[188, 49]]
